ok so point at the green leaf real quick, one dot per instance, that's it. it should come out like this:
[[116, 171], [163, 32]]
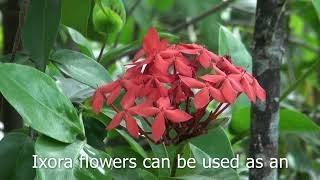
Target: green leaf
[[316, 4], [38, 100], [115, 52], [74, 90], [40, 29], [109, 16], [16, 150], [76, 15], [134, 145], [218, 136], [81, 41], [49, 148], [290, 121], [231, 45], [81, 68], [211, 173]]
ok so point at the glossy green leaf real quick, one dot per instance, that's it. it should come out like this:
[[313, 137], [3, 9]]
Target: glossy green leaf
[[221, 147], [16, 150], [134, 145], [109, 16], [231, 45], [316, 4], [211, 173], [38, 100], [81, 68], [81, 41], [76, 14], [115, 52], [74, 90], [40, 29], [48, 148], [290, 121]]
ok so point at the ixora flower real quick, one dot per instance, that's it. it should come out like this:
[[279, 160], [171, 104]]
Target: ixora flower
[[163, 87]]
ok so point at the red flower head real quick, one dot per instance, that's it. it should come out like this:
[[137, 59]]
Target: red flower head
[[163, 83]]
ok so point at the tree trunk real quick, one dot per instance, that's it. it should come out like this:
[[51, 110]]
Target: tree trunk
[[269, 37], [9, 116]]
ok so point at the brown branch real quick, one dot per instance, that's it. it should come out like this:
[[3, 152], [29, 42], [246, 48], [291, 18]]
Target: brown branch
[[17, 39], [194, 20]]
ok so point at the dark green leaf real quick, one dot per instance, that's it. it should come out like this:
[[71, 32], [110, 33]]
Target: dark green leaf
[[81, 41], [316, 4], [40, 29], [115, 52], [16, 150], [231, 45], [49, 148], [221, 147], [290, 121], [134, 145], [38, 100], [76, 15], [81, 68]]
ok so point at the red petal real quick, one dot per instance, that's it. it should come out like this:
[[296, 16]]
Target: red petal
[[158, 127], [218, 71], [169, 53], [191, 82], [128, 99], [202, 98], [228, 92], [132, 125], [190, 51], [145, 111], [163, 102], [213, 56], [216, 94], [97, 101], [115, 121], [204, 60], [161, 64], [260, 92], [177, 115], [109, 87], [164, 43], [183, 68], [235, 81], [151, 41], [138, 55], [113, 95], [213, 78], [248, 89]]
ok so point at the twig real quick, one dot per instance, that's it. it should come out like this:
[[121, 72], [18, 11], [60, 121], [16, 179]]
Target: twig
[[22, 17], [194, 20], [314, 66], [101, 51]]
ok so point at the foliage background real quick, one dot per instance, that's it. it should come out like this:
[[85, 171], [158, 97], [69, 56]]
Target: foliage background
[[58, 37]]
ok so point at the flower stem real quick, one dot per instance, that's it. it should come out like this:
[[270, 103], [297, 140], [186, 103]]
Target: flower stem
[[180, 149]]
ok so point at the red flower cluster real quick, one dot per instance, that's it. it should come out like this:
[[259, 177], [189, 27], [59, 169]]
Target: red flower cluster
[[163, 81]]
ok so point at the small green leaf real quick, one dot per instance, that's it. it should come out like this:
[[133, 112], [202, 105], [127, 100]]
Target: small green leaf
[[38, 100], [222, 149], [49, 148], [231, 45], [40, 30], [316, 4], [134, 145], [16, 150], [81, 68], [290, 121], [81, 41], [211, 173], [76, 15], [109, 16]]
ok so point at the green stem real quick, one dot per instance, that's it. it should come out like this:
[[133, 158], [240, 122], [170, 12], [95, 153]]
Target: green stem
[[180, 149], [301, 79]]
